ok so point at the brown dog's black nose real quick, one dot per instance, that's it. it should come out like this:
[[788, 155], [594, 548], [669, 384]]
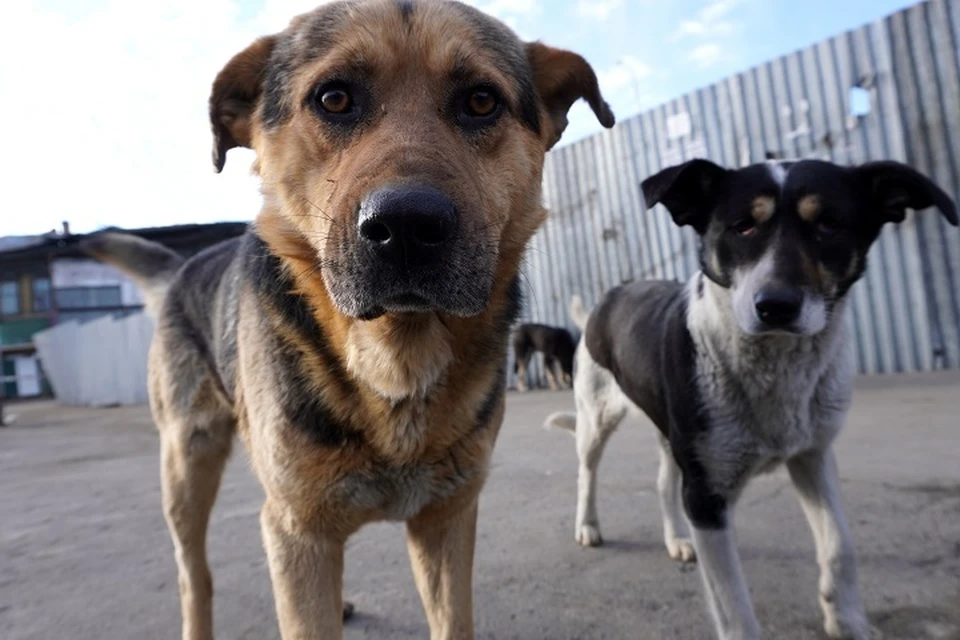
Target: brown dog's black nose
[[407, 225], [779, 307]]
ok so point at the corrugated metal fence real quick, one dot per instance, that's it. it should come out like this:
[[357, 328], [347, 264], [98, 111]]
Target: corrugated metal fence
[[98, 364], [890, 90]]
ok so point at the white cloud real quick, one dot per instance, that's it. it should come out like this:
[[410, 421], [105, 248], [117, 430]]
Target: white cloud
[[706, 55], [597, 9], [627, 73], [716, 9], [710, 20], [698, 28], [517, 14]]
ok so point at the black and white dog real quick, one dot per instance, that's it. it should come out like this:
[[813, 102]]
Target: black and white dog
[[746, 366], [557, 346]]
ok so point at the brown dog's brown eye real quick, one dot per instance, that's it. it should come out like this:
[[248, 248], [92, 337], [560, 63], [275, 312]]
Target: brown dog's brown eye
[[339, 103], [336, 101], [478, 108], [482, 103]]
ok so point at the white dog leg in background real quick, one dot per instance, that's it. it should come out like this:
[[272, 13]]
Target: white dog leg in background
[[676, 532]]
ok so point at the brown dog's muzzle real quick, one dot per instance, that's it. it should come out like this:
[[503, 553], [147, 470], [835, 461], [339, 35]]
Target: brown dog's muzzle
[[408, 253]]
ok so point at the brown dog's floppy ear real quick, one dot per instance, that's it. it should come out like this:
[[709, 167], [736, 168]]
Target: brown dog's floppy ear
[[892, 188], [687, 190], [561, 78], [234, 98]]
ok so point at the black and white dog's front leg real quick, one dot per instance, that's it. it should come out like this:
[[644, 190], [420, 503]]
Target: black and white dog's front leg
[[816, 479], [716, 543]]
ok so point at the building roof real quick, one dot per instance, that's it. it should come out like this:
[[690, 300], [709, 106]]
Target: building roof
[[8, 243], [180, 236]]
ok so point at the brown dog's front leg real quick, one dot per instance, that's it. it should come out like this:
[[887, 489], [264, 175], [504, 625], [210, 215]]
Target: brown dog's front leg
[[441, 552], [306, 569]]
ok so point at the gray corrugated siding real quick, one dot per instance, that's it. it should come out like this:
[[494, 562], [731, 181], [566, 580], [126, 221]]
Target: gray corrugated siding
[[906, 310]]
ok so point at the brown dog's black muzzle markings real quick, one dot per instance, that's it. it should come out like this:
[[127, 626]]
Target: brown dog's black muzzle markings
[[407, 237]]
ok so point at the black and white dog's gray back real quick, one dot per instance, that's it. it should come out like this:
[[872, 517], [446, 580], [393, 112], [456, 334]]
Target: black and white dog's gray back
[[747, 365]]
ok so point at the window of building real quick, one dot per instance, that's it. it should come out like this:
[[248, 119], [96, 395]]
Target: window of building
[[41, 295], [9, 298], [88, 297]]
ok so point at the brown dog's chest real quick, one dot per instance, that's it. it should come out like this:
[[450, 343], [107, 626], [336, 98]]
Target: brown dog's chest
[[399, 492], [347, 487]]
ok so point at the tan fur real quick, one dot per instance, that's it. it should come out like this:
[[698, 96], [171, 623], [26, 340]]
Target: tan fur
[[762, 208], [411, 384], [808, 207]]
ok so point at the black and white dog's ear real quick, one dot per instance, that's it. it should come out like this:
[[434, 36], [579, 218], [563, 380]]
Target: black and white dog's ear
[[688, 191], [892, 188]]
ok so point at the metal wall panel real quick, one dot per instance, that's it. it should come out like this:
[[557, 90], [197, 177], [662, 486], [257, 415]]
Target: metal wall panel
[[906, 311], [98, 364]]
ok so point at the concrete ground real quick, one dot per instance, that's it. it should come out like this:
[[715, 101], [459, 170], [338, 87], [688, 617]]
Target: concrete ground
[[84, 551]]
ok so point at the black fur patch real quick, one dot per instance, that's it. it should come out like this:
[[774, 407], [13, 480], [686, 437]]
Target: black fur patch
[[704, 506], [512, 307], [196, 308], [406, 9], [300, 399], [302, 403], [492, 399]]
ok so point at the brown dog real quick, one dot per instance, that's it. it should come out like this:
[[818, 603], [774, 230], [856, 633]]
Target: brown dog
[[356, 336]]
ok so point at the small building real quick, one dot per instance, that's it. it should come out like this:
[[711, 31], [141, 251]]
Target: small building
[[46, 280]]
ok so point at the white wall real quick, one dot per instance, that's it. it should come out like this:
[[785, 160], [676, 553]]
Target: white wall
[[100, 363]]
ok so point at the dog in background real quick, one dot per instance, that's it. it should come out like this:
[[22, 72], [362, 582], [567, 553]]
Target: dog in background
[[557, 346], [356, 337], [745, 367]]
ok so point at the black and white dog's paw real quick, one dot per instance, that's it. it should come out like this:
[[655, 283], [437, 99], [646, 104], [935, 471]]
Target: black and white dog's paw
[[852, 626], [681, 549], [588, 535]]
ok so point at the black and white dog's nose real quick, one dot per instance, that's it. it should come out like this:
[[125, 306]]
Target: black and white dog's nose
[[779, 307], [408, 226]]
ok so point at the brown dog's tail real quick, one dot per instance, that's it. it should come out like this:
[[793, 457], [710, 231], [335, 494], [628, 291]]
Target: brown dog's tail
[[151, 265], [578, 313], [562, 420]]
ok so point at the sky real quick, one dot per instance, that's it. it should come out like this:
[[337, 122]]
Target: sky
[[104, 102]]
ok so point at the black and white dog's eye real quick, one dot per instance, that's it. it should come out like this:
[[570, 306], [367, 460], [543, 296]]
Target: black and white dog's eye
[[746, 227]]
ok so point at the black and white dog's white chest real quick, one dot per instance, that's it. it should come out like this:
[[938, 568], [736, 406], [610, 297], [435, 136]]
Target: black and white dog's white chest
[[764, 399]]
